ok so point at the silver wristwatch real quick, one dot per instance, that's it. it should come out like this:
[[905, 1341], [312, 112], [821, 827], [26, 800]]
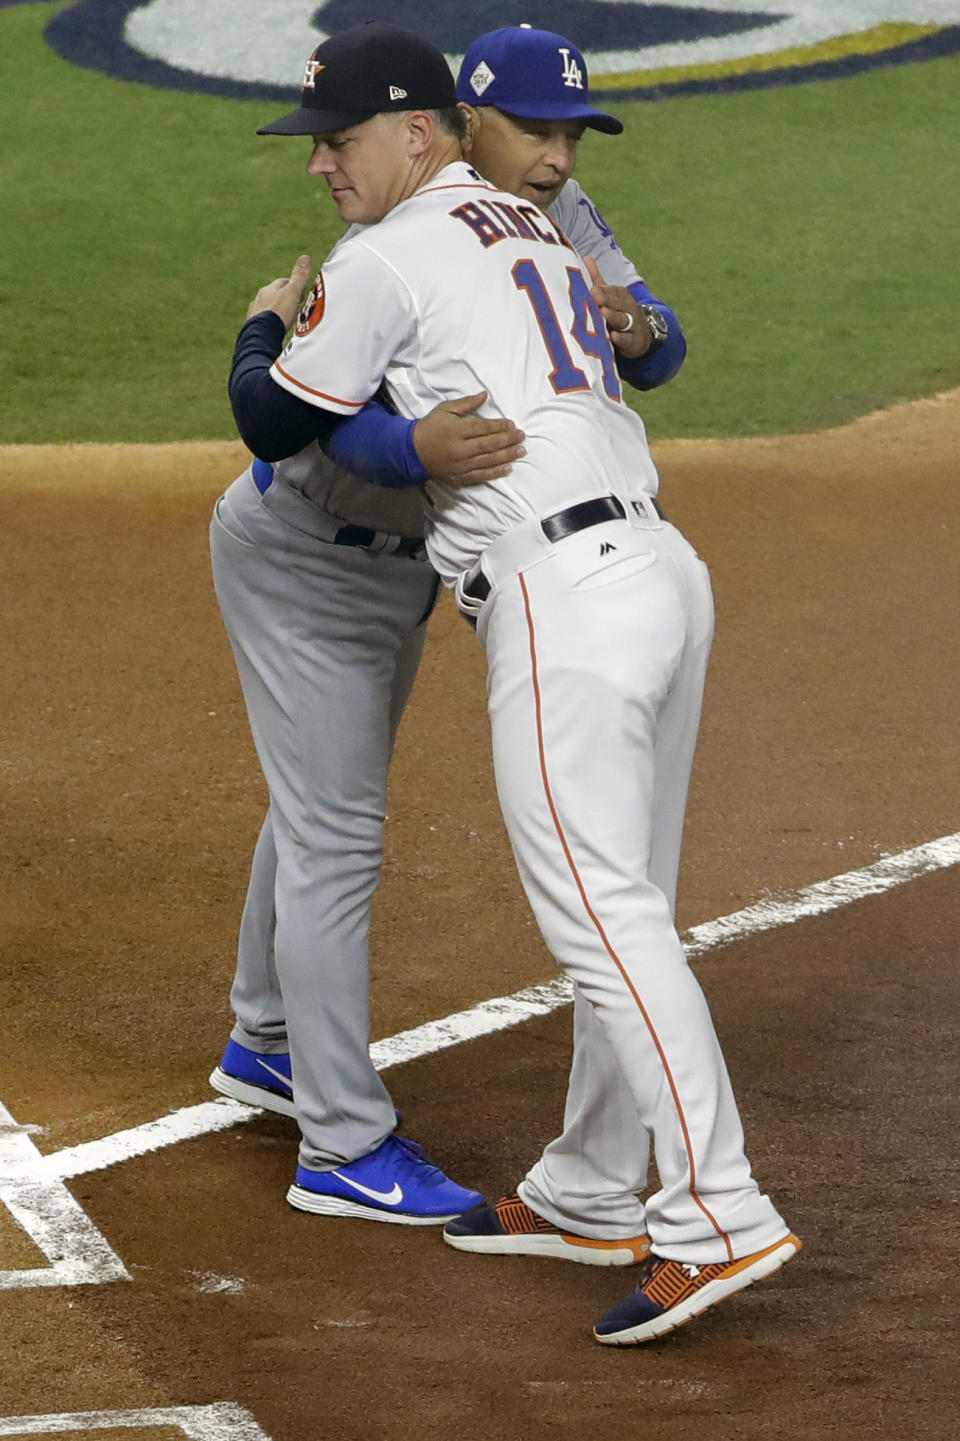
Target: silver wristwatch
[[659, 329]]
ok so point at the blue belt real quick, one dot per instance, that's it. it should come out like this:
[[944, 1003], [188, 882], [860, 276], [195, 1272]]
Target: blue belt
[[262, 476], [362, 535]]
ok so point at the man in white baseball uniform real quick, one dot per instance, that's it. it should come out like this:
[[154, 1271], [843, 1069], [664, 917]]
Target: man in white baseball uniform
[[327, 649], [596, 618]]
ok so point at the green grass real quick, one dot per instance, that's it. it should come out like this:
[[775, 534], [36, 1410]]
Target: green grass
[[805, 235]]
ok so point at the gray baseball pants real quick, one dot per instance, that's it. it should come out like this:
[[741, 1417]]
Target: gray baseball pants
[[327, 639]]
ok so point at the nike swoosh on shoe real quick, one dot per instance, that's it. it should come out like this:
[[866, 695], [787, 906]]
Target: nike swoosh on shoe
[[279, 1076], [386, 1198]]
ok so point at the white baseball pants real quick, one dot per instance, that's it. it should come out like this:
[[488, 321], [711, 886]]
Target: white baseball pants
[[597, 649]]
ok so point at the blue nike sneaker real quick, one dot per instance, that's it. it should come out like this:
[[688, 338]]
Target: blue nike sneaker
[[257, 1080], [395, 1183], [263, 1081]]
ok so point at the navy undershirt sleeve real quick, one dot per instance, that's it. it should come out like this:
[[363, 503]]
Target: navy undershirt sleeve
[[375, 445], [646, 372], [272, 422]]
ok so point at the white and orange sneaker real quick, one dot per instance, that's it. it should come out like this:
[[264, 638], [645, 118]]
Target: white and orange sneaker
[[673, 1292], [511, 1228]]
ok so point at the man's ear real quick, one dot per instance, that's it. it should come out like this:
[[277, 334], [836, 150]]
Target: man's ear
[[421, 129], [473, 123]]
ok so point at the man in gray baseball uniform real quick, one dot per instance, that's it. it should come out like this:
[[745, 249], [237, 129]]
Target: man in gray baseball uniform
[[524, 122], [325, 593]]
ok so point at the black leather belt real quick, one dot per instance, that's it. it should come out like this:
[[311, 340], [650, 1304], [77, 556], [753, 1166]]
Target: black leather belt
[[563, 523], [578, 517], [408, 545]]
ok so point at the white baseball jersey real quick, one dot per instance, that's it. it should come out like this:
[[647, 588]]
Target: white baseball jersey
[[343, 496], [463, 288]]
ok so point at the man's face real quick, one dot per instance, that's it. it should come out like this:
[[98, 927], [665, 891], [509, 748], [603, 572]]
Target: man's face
[[530, 158], [365, 166]]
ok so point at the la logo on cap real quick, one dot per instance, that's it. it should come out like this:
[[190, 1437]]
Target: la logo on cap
[[310, 74], [482, 78], [572, 74]]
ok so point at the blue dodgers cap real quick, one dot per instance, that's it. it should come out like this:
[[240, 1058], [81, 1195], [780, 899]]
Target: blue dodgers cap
[[532, 73]]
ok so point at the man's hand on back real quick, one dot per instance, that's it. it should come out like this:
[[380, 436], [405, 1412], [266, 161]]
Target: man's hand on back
[[458, 449]]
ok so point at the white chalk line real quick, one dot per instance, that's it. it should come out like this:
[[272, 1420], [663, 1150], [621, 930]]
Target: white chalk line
[[57, 1225], [35, 1193], [182, 1125], [503, 1012], [221, 1421]]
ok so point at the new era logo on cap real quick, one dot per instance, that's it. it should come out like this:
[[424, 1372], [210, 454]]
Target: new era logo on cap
[[396, 93]]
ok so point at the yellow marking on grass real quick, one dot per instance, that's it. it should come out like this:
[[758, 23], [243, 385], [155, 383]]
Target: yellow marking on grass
[[864, 42]]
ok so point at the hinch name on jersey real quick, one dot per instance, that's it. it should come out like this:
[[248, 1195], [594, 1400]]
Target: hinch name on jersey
[[493, 220]]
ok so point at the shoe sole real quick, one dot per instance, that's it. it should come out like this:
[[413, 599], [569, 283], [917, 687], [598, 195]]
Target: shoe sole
[[251, 1095], [560, 1247], [303, 1200], [714, 1292]]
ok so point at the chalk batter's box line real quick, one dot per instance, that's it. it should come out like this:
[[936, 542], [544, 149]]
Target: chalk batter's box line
[[504, 1012], [222, 1421], [57, 1225], [33, 1186]]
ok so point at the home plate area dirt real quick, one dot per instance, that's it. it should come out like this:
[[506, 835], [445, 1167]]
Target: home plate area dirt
[[131, 801]]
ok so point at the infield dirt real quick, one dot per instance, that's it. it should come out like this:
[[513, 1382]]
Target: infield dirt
[[131, 800]]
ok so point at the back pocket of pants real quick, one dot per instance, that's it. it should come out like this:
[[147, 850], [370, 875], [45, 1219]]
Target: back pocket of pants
[[601, 555], [226, 519]]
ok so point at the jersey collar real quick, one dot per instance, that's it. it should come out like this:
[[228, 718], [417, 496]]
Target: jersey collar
[[458, 173]]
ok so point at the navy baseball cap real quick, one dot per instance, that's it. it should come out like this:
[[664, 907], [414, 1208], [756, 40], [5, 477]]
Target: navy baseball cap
[[367, 70], [532, 73]]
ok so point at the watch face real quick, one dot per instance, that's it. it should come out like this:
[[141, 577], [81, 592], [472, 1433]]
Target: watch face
[[657, 323]]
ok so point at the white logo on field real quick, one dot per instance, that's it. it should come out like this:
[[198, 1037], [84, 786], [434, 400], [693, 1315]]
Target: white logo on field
[[251, 42], [396, 93], [482, 78], [572, 74]]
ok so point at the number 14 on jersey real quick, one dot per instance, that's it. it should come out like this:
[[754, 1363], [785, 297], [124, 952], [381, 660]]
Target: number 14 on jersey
[[588, 330]]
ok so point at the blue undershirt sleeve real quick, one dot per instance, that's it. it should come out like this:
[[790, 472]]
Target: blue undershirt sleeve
[[646, 372], [378, 446]]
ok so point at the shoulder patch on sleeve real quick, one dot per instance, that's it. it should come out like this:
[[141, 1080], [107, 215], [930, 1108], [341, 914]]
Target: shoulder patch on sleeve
[[313, 307]]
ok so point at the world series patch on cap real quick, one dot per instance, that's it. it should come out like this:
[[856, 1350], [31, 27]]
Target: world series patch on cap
[[531, 73], [364, 71]]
